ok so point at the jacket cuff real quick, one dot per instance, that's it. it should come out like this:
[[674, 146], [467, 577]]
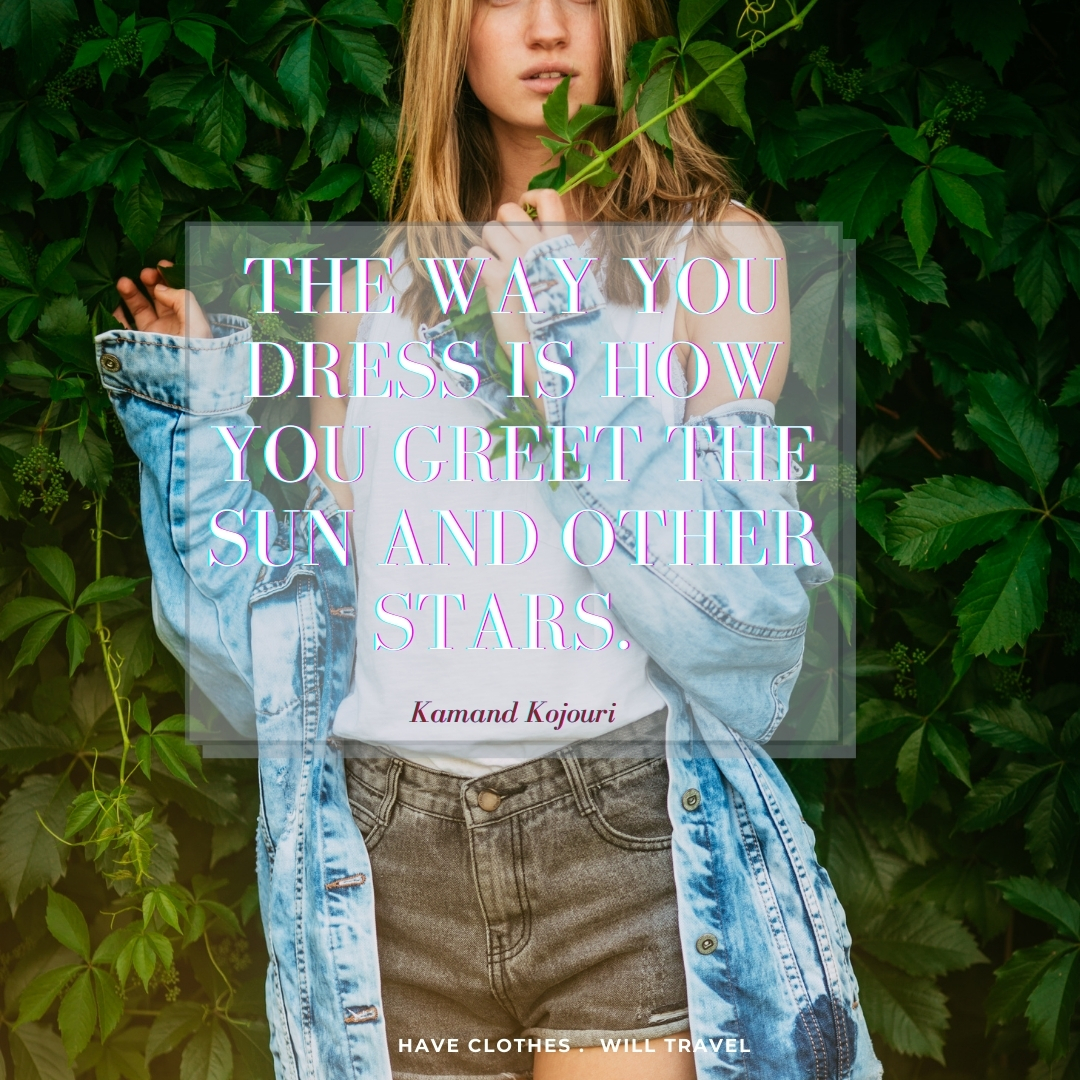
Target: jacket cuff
[[195, 375], [549, 289]]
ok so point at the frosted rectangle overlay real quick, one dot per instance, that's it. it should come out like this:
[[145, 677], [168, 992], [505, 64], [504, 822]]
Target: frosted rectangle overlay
[[595, 471]]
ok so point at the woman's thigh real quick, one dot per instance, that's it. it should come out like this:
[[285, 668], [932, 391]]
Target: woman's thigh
[[594, 1063]]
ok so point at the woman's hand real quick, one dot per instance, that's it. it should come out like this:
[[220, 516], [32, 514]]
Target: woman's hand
[[168, 311]]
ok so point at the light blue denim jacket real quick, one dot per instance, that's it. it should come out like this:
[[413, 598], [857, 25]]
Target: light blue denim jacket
[[772, 995]]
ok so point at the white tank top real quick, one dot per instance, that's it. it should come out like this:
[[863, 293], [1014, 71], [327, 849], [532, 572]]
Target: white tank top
[[464, 709]]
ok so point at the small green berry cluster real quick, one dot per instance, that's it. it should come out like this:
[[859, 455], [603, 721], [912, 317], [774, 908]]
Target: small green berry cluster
[[964, 102], [166, 979], [839, 479], [64, 89], [125, 52], [381, 179], [268, 326], [1012, 683], [847, 85], [40, 476], [905, 661]]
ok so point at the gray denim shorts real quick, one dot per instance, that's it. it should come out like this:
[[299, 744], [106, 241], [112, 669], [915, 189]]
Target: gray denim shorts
[[533, 903]]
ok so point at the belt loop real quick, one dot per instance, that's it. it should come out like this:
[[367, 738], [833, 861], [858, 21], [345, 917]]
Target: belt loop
[[390, 796], [576, 777]]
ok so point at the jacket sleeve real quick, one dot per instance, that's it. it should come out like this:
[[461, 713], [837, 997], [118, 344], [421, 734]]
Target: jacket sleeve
[[170, 395], [732, 636]]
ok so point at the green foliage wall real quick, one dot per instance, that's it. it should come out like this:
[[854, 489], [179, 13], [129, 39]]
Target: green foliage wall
[[943, 133]]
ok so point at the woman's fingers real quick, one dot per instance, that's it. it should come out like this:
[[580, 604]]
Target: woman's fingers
[[142, 311], [548, 205]]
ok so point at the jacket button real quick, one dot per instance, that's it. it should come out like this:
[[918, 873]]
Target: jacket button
[[691, 799], [110, 362], [488, 801], [707, 944]]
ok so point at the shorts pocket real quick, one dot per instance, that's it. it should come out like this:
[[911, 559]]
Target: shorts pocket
[[630, 809], [371, 810]]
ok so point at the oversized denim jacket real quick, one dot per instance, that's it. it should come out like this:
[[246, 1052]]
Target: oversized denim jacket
[[772, 995]]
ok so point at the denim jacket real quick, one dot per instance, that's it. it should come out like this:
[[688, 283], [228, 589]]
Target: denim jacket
[[771, 991]]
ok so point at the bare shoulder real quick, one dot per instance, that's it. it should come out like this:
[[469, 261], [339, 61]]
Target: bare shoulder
[[747, 234]]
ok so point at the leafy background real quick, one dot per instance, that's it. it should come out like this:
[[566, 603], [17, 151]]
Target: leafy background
[[943, 133]]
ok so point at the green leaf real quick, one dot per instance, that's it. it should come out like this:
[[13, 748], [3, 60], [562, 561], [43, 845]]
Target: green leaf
[[992, 27], [956, 159], [908, 1011], [52, 271], [360, 58], [267, 172], [1070, 390], [14, 264], [67, 924], [937, 521], [37, 150], [36, 30], [894, 259], [921, 940], [863, 193], [152, 40], [910, 142], [961, 199], [106, 589], [1003, 793], [198, 36], [171, 1026], [1016, 425], [220, 126], [1044, 901], [24, 610], [1004, 600], [56, 570], [725, 96], [881, 322], [261, 93], [1052, 1004], [834, 135], [29, 856], [1016, 726], [192, 165], [358, 13], [694, 14], [78, 1016], [37, 637], [89, 461], [1050, 826], [333, 181], [334, 133], [43, 990], [878, 717], [110, 1005], [948, 745], [85, 165], [656, 95], [139, 211], [208, 1056], [304, 75], [39, 1054], [916, 773], [1039, 280], [25, 742], [77, 639], [1068, 532], [1017, 977]]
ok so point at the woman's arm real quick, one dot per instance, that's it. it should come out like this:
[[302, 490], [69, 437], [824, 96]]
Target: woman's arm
[[173, 380]]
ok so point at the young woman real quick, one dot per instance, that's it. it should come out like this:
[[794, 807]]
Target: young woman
[[528, 905]]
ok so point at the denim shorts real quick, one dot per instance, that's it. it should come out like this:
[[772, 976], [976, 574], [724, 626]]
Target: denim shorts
[[530, 904]]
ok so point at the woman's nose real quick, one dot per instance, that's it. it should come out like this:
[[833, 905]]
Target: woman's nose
[[546, 24]]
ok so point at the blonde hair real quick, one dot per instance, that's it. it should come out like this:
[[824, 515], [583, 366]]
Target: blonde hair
[[453, 166]]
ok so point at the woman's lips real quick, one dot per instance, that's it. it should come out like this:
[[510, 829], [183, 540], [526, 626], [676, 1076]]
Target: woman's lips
[[545, 82]]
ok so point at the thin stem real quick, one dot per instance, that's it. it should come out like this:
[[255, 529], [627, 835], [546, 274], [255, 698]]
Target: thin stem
[[112, 670], [595, 164]]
